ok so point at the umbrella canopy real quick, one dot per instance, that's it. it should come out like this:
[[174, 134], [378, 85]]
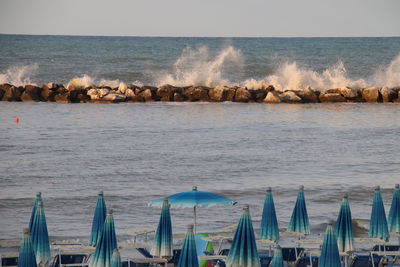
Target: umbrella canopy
[[269, 223], [378, 227], [344, 227], [188, 256], [98, 219], [243, 252], [299, 222], [116, 259], [330, 253], [26, 256], [277, 260], [40, 237], [162, 244], [37, 199], [394, 213], [106, 244], [194, 199]]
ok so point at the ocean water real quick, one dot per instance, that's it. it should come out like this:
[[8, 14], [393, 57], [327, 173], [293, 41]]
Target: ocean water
[[140, 152]]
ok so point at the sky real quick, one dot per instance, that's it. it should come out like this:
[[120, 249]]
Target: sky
[[204, 18]]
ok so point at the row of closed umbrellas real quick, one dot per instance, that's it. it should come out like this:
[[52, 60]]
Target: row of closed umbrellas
[[35, 247]]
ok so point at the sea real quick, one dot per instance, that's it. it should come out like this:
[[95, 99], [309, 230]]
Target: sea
[[139, 152]]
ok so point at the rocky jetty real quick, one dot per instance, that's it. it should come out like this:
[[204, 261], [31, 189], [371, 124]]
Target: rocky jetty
[[53, 92]]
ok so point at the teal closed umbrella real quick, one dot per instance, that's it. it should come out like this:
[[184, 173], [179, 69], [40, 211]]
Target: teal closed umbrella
[[116, 259], [40, 237], [162, 244], [269, 229], [344, 227], [26, 256], [98, 219], [330, 253], [243, 252], [37, 199], [394, 213], [188, 256], [106, 244], [378, 227], [299, 222], [277, 260]]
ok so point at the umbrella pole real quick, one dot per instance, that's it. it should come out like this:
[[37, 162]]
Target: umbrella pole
[[194, 210]]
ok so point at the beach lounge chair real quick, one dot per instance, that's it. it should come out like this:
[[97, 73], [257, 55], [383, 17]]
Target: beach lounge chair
[[175, 258], [70, 258], [292, 254], [145, 253], [307, 261], [224, 252], [366, 261], [386, 248], [9, 261], [131, 263], [265, 260]]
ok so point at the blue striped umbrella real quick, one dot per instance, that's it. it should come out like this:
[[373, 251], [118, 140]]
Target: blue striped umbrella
[[106, 244], [378, 227], [116, 259], [37, 199], [344, 227], [188, 256], [277, 260], [98, 219], [194, 199], [162, 244], [394, 213], [243, 252], [40, 237], [299, 221], [269, 223], [330, 252], [26, 256]]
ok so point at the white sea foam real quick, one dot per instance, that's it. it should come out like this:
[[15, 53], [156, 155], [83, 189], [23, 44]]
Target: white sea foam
[[196, 67], [19, 75], [387, 76], [81, 82]]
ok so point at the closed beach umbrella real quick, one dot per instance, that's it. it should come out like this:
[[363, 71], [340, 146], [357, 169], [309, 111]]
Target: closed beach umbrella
[[330, 252], [37, 199], [378, 227], [394, 213], [162, 244], [116, 259], [26, 256], [194, 199], [106, 244], [188, 256], [243, 252], [277, 260], [98, 219], [344, 227], [299, 222], [40, 237], [269, 223]]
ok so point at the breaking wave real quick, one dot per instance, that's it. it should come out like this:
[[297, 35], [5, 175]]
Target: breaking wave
[[19, 75]]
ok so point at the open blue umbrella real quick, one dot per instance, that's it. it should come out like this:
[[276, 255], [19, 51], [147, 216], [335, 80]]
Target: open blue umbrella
[[243, 252], [162, 244], [299, 222], [26, 256], [194, 199], [37, 199], [98, 219], [378, 227], [40, 237], [344, 227], [116, 259], [106, 244], [277, 260], [330, 253], [269, 229], [394, 213], [188, 256]]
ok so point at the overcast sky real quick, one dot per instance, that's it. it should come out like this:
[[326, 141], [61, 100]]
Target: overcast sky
[[225, 18]]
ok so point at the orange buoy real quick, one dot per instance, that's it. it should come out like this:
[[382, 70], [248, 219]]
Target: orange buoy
[[16, 120]]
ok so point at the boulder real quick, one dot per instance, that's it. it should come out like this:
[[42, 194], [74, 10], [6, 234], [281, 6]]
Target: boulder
[[290, 97], [113, 97], [12, 93], [242, 95], [166, 92], [31, 93], [258, 94], [135, 98], [349, 93], [199, 93], [371, 94], [218, 93], [122, 88], [82, 97], [272, 97], [331, 97], [129, 93], [102, 92], [308, 95], [147, 95], [230, 95], [179, 97], [1, 93], [388, 94], [62, 96], [49, 91]]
